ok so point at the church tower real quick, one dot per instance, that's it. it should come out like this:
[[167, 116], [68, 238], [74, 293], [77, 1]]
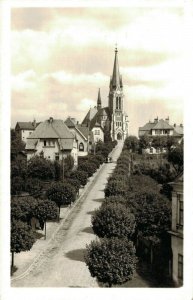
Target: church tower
[[119, 122]]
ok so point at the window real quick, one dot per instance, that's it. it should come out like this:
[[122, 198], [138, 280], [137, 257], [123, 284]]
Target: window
[[56, 156], [180, 210], [151, 150], [166, 131], [97, 132], [117, 102], [81, 147], [44, 143], [180, 266]]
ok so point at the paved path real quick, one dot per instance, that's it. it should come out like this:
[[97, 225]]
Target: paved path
[[62, 264]]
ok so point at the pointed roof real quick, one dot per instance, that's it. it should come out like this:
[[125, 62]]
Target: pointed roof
[[70, 122], [162, 124], [99, 99], [89, 116], [116, 81]]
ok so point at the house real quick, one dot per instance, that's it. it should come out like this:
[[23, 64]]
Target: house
[[160, 128], [53, 140], [110, 120], [82, 134], [177, 230], [24, 129]]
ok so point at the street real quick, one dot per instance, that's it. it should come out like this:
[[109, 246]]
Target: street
[[63, 262]]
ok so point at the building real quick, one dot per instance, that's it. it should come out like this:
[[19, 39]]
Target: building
[[53, 140], [111, 120], [24, 129], [177, 230], [82, 134], [160, 128]]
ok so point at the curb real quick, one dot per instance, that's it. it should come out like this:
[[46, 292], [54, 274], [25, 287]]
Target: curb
[[69, 211]]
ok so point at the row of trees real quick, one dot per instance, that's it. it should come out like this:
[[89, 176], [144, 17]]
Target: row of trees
[[133, 212], [44, 206]]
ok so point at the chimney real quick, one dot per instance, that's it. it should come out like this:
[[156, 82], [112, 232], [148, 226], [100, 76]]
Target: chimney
[[77, 122], [156, 120], [34, 123], [50, 120], [174, 124], [167, 120], [181, 125]]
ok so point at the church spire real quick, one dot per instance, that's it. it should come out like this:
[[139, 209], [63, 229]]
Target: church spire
[[115, 81], [99, 99]]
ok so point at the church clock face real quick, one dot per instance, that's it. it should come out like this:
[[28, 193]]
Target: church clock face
[[118, 92]]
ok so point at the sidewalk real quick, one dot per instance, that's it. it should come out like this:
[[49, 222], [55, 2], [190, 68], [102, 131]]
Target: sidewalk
[[26, 261]]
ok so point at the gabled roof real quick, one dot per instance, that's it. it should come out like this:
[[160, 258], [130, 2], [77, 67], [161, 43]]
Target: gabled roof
[[178, 130], [102, 111], [51, 129], [84, 130], [162, 124], [70, 122], [26, 125], [90, 115]]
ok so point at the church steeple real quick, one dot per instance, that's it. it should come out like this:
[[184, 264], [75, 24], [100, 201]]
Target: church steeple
[[99, 99], [116, 80]]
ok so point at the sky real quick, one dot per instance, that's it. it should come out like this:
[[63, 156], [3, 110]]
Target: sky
[[62, 56]]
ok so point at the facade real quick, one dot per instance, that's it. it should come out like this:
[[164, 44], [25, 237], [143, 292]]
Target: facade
[[24, 129], [82, 134], [112, 119], [53, 140], [177, 230], [160, 128]]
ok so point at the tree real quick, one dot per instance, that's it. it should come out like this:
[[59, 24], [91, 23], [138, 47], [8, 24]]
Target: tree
[[68, 164], [79, 175], [17, 185], [23, 208], [33, 185], [111, 261], [87, 167], [46, 210], [61, 193], [116, 187], [22, 238], [144, 142], [113, 220], [16, 144], [176, 157], [41, 168], [131, 143]]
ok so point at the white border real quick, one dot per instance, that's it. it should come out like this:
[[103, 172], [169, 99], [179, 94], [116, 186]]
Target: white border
[[186, 292]]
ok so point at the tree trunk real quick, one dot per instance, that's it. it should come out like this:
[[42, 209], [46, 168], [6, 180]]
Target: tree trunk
[[45, 231], [12, 261], [59, 214]]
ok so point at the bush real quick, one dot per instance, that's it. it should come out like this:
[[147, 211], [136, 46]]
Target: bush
[[40, 168], [17, 185], [100, 158], [33, 185], [73, 182], [116, 187], [115, 199], [87, 167], [61, 193], [23, 208], [81, 176], [111, 261], [113, 220]]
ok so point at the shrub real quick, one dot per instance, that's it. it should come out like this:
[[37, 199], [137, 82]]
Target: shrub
[[113, 220], [115, 187], [111, 261], [73, 182], [79, 175], [17, 185], [33, 185], [41, 168], [23, 208], [100, 158], [61, 193], [87, 167]]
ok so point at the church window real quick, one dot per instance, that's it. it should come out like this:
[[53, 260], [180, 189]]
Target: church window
[[44, 143], [81, 147], [117, 102]]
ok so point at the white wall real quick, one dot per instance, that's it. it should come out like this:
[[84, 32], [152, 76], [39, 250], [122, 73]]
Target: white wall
[[98, 137], [25, 134]]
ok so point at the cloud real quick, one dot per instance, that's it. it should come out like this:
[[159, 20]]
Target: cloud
[[60, 57]]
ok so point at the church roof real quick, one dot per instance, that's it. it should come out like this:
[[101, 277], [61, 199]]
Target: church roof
[[116, 79], [101, 112], [90, 115], [84, 130], [99, 98]]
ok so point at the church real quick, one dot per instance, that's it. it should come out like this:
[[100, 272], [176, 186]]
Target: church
[[111, 121]]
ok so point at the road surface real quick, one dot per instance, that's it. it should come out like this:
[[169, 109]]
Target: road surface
[[63, 262]]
